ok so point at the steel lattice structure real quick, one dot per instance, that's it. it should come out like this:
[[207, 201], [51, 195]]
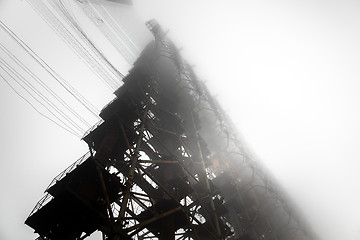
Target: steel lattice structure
[[165, 162]]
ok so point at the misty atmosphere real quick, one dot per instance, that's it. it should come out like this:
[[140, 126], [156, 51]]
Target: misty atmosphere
[[285, 74]]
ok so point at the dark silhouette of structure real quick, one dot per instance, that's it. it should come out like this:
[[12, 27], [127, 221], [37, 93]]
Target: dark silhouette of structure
[[165, 163]]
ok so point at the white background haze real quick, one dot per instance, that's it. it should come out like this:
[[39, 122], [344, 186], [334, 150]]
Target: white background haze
[[287, 73]]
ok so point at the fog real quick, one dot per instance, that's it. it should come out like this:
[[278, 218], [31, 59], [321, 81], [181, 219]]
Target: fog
[[287, 73]]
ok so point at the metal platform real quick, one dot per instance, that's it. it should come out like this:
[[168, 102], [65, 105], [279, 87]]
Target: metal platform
[[178, 168], [78, 202]]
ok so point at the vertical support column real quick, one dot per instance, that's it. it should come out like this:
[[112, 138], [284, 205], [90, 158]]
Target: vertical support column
[[105, 193], [134, 160], [107, 146], [205, 179], [168, 227]]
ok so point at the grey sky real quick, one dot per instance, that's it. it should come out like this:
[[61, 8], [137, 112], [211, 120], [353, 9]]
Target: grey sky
[[287, 72]]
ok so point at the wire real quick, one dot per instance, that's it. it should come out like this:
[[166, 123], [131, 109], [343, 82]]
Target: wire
[[115, 25], [64, 34], [42, 114], [117, 31], [44, 99], [48, 16], [97, 51], [38, 80], [120, 45], [37, 109], [74, 24], [56, 76]]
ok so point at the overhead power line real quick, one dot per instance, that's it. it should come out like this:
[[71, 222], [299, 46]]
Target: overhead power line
[[116, 27], [41, 98], [90, 107], [32, 106], [61, 9], [95, 60], [47, 89], [13, 74], [115, 35]]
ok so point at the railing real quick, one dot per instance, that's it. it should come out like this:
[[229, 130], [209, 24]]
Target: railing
[[69, 169], [93, 127], [44, 200]]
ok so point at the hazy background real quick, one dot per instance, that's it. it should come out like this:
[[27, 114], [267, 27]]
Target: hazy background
[[287, 72]]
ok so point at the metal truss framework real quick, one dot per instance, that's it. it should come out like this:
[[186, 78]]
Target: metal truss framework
[[167, 164]]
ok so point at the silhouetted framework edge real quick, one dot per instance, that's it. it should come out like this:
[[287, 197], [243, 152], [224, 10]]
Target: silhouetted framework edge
[[165, 162]]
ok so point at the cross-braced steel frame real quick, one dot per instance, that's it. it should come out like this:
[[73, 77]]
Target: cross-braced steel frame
[[184, 172]]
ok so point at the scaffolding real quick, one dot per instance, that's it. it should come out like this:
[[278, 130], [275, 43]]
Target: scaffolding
[[165, 162]]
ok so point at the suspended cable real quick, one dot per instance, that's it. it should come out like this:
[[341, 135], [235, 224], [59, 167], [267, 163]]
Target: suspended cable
[[69, 129], [77, 135], [43, 99], [56, 76], [119, 45], [47, 15], [89, 58], [39, 81], [117, 28], [72, 21]]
